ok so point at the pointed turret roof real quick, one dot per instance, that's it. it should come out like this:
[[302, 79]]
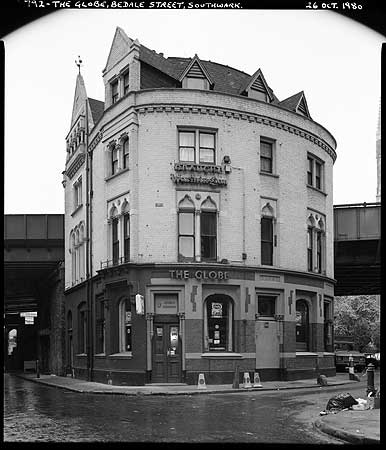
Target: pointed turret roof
[[296, 103], [95, 107]]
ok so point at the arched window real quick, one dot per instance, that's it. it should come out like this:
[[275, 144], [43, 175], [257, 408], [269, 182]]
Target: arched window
[[126, 230], [73, 258], [81, 253], [208, 230], [267, 235], [125, 339], [302, 325], [125, 153], [310, 243], [82, 328], [186, 241], [218, 323]]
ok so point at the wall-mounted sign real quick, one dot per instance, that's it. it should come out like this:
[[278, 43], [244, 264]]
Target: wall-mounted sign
[[29, 314], [196, 177], [166, 304], [216, 312], [199, 274], [139, 304]]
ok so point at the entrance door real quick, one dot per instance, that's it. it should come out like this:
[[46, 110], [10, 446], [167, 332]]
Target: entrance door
[[166, 353], [302, 325]]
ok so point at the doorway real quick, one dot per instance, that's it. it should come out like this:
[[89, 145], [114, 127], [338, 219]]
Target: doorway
[[302, 326], [166, 351]]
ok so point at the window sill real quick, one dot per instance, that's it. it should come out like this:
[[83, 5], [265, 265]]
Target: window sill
[[306, 354], [328, 354], [110, 177], [226, 355], [76, 209], [97, 355], [267, 318], [317, 190], [81, 354], [273, 175], [121, 355]]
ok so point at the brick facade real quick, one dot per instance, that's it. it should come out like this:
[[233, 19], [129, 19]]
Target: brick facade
[[151, 118]]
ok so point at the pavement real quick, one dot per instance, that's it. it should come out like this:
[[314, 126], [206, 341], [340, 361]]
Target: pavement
[[356, 427]]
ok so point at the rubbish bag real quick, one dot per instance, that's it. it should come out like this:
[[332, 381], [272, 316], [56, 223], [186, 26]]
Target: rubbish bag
[[341, 401]]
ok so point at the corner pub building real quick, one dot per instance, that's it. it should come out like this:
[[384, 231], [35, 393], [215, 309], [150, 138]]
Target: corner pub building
[[199, 226]]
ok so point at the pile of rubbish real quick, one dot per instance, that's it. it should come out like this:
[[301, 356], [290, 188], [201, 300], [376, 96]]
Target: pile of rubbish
[[344, 402]]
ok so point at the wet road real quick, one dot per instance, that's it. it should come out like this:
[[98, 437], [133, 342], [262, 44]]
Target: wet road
[[38, 413]]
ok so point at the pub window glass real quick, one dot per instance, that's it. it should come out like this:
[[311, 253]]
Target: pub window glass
[[218, 316], [125, 325], [267, 305]]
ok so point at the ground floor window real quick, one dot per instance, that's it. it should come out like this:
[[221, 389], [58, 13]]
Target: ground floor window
[[219, 323], [266, 305], [100, 327], [328, 326], [82, 328], [302, 325], [125, 340]]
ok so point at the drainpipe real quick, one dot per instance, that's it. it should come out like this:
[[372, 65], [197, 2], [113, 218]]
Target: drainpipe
[[88, 255], [241, 169]]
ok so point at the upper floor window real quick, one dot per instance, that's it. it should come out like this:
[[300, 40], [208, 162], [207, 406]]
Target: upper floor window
[[315, 172], [266, 156], [115, 240], [186, 234], [78, 193], [126, 237], [125, 154], [114, 159], [208, 235], [315, 244], [126, 86], [197, 146], [267, 241], [114, 92]]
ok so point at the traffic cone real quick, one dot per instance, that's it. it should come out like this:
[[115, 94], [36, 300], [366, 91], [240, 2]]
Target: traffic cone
[[201, 381], [247, 381], [256, 380]]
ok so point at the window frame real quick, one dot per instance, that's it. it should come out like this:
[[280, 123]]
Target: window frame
[[315, 172], [191, 212], [115, 240], [125, 153], [124, 325], [126, 237], [229, 324], [197, 144], [82, 328], [114, 159], [78, 194], [310, 249], [273, 300], [101, 327], [211, 237], [266, 241], [271, 143], [126, 82], [114, 91]]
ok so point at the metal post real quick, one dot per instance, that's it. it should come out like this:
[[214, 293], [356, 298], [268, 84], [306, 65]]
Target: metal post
[[351, 367], [37, 369], [370, 379], [236, 379]]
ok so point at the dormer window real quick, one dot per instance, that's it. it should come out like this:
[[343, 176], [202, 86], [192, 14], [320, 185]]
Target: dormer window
[[195, 83], [114, 92]]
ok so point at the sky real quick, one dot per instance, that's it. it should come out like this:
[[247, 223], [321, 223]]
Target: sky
[[336, 61]]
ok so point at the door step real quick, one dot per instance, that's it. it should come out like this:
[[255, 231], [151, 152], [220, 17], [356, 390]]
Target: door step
[[166, 384]]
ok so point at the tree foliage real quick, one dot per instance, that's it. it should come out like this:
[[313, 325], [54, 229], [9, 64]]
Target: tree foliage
[[359, 318]]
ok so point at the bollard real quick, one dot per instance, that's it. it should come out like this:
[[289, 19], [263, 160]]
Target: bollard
[[247, 381], [370, 379], [201, 381], [236, 378], [109, 379], [37, 369]]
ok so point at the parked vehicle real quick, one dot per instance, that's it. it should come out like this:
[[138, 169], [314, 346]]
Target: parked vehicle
[[343, 350], [373, 358], [342, 360]]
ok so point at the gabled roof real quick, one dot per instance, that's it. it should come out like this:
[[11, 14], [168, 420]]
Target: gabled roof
[[157, 61], [97, 108], [257, 81], [296, 103], [119, 48], [196, 69]]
